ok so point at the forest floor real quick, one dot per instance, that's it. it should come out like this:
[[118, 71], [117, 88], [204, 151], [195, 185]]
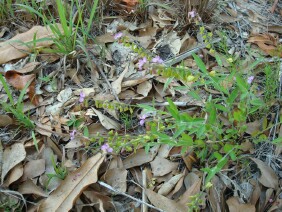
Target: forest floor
[[127, 105]]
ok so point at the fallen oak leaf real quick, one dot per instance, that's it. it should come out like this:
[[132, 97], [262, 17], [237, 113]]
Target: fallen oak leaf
[[64, 196], [19, 82]]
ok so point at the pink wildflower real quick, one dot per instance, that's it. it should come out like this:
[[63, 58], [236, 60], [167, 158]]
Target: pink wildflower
[[81, 97], [157, 59], [142, 119], [106, 148], [142, 62], [192, 14], [72, 134], [118, 35], [250, 79]]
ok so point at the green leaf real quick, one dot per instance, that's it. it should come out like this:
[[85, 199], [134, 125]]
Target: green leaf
[[172, 109], [200, 63], [242, 84]]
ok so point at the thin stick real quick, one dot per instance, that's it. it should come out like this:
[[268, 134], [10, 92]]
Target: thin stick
[[124, 194], [144, 184], [188, 53]]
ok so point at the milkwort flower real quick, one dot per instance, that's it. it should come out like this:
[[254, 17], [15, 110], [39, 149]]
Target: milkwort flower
[[118, 35], [81, 97], [106, 148], [192, 14], [142, 119], [72, 134], [157, 59], [142, 62], [250, 79]]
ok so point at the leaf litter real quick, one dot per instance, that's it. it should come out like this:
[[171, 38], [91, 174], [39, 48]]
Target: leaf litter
[[81, 103]]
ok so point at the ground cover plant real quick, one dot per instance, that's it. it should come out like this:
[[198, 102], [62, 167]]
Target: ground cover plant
[[131, 105]]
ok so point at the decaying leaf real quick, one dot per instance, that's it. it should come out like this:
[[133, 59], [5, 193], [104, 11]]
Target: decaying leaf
[[164, 203], [116, 178], [33, 169], [268, 177], [162, 166], [64, 196], [5, 120], [12, 156], [169, 185], [14, 48], [106, 121], [138, 158], [28, 187], [235, 206]]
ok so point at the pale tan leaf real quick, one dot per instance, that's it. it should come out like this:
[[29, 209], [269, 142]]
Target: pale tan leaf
[[138, 158], [164, 203], [116, 85], [104, 201], [144, 88], [161, 166], [14, 174], [12, 156], [235, 206], [29, 67], [28, 187], [169, 185], [33, 169], [14, 49], [268, 177], [116, 178], [64, 196], [106, 121], [74, 143], [5, 120], [191, 191]]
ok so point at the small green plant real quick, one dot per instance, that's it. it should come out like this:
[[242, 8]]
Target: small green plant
[[16, 108], [66, 35], [60, 171]]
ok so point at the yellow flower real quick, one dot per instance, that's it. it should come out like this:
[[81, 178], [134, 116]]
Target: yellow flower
[[190, 78], [230, 60], [212, 51], [212, 73], [208, 185]]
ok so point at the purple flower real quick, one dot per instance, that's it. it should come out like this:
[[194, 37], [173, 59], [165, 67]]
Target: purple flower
[[118, 35], [142, 62], [142, 119], [250, 79], [106, 148], [81, 97], [192, 14], [157, 59], [72, 134]]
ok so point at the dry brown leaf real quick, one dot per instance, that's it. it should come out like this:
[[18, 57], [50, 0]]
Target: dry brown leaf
[[19, 82], [29, 67], [64, 196], [144, 88], [161, 166], [133, 82], [235, 206], [12, 155], [268, 177], [33, 169], [116, 178], [14, 175], [105, 202], [191, 191], [116, 85], [5, 120], [169, 185], [138, 158], [28, 187], [14, 49], [74, 143], [106, 121], [164, 203]]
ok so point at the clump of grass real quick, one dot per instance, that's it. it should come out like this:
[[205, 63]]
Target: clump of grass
[[16, 108], [67, 36]]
